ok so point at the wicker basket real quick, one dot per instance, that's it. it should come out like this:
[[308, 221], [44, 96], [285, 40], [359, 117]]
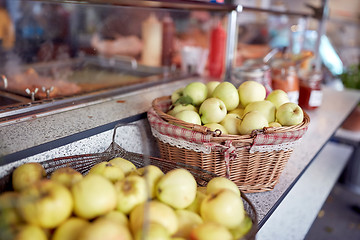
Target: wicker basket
[[254, 162], [84, 162]]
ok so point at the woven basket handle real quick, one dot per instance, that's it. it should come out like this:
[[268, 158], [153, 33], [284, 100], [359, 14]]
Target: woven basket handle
[[195, 127]]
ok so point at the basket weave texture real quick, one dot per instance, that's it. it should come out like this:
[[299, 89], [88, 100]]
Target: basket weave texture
[[84, 162], [254, 162]]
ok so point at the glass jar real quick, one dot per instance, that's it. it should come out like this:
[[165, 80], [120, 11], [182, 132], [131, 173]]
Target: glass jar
[[253, 72], [284, 77], [310, 95]]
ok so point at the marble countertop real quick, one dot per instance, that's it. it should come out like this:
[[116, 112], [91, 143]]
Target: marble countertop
[[26, 135]]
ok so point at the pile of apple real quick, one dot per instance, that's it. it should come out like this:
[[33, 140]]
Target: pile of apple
[[115, 200], [222, 106]]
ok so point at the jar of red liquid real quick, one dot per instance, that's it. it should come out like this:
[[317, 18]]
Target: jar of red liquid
[[284, 77], [310, 95]]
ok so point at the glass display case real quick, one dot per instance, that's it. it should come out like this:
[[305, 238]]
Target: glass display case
[[59, 52]]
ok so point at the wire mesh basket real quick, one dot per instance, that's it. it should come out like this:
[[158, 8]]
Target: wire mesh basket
[[84, 162]]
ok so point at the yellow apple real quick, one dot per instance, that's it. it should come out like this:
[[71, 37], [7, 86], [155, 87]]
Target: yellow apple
[[8, 211], [200, 195], [217, 183], [228, 93], [66, 176], [211, 87], [153, 211], [28, 232], [223, 207], [239, 231], [274, 124], [189, 116], [70, 229], [187, 220], [117, 216], [152, 231], [265, 107], [251, 91], [108, 170], [210, 231], [177, 188], [176, 95], [152, 174], [105, 229], [94, 195], [252, 121], [216, 126], [46, 203], [131, 191], [212, 110], [231, 123], [196, 91], [27, 174], [124, 164], [238, 111], [289, 114], [278, 97], [181, 107]]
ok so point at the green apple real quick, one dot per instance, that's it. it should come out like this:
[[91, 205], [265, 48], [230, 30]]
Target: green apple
[[108, 170], [70, 229], [196, 91], [231, 123], [187, 220], [8, 209], [251, 121], [228, 93], [177, 188], [195, 205], [131, 191], [265, 107], [211, 86], [251, 91], [152, 174], [176, 95], [223, 207], [212, 110], [152, 231], [210, 231], [105, 229], [238, 111], [239, 231], [274, 124], [116, 216], [46, 203], [66, 176], [153, 211], [26, 175], [94, 195], [217, 183], [125, 165], [28, 232], [278, 97], [181, 107], [216, 126], [289, 114]]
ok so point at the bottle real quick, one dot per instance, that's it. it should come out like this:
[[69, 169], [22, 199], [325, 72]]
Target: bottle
[[168, 34], [151, 31], [310, 94], [217, 50]]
